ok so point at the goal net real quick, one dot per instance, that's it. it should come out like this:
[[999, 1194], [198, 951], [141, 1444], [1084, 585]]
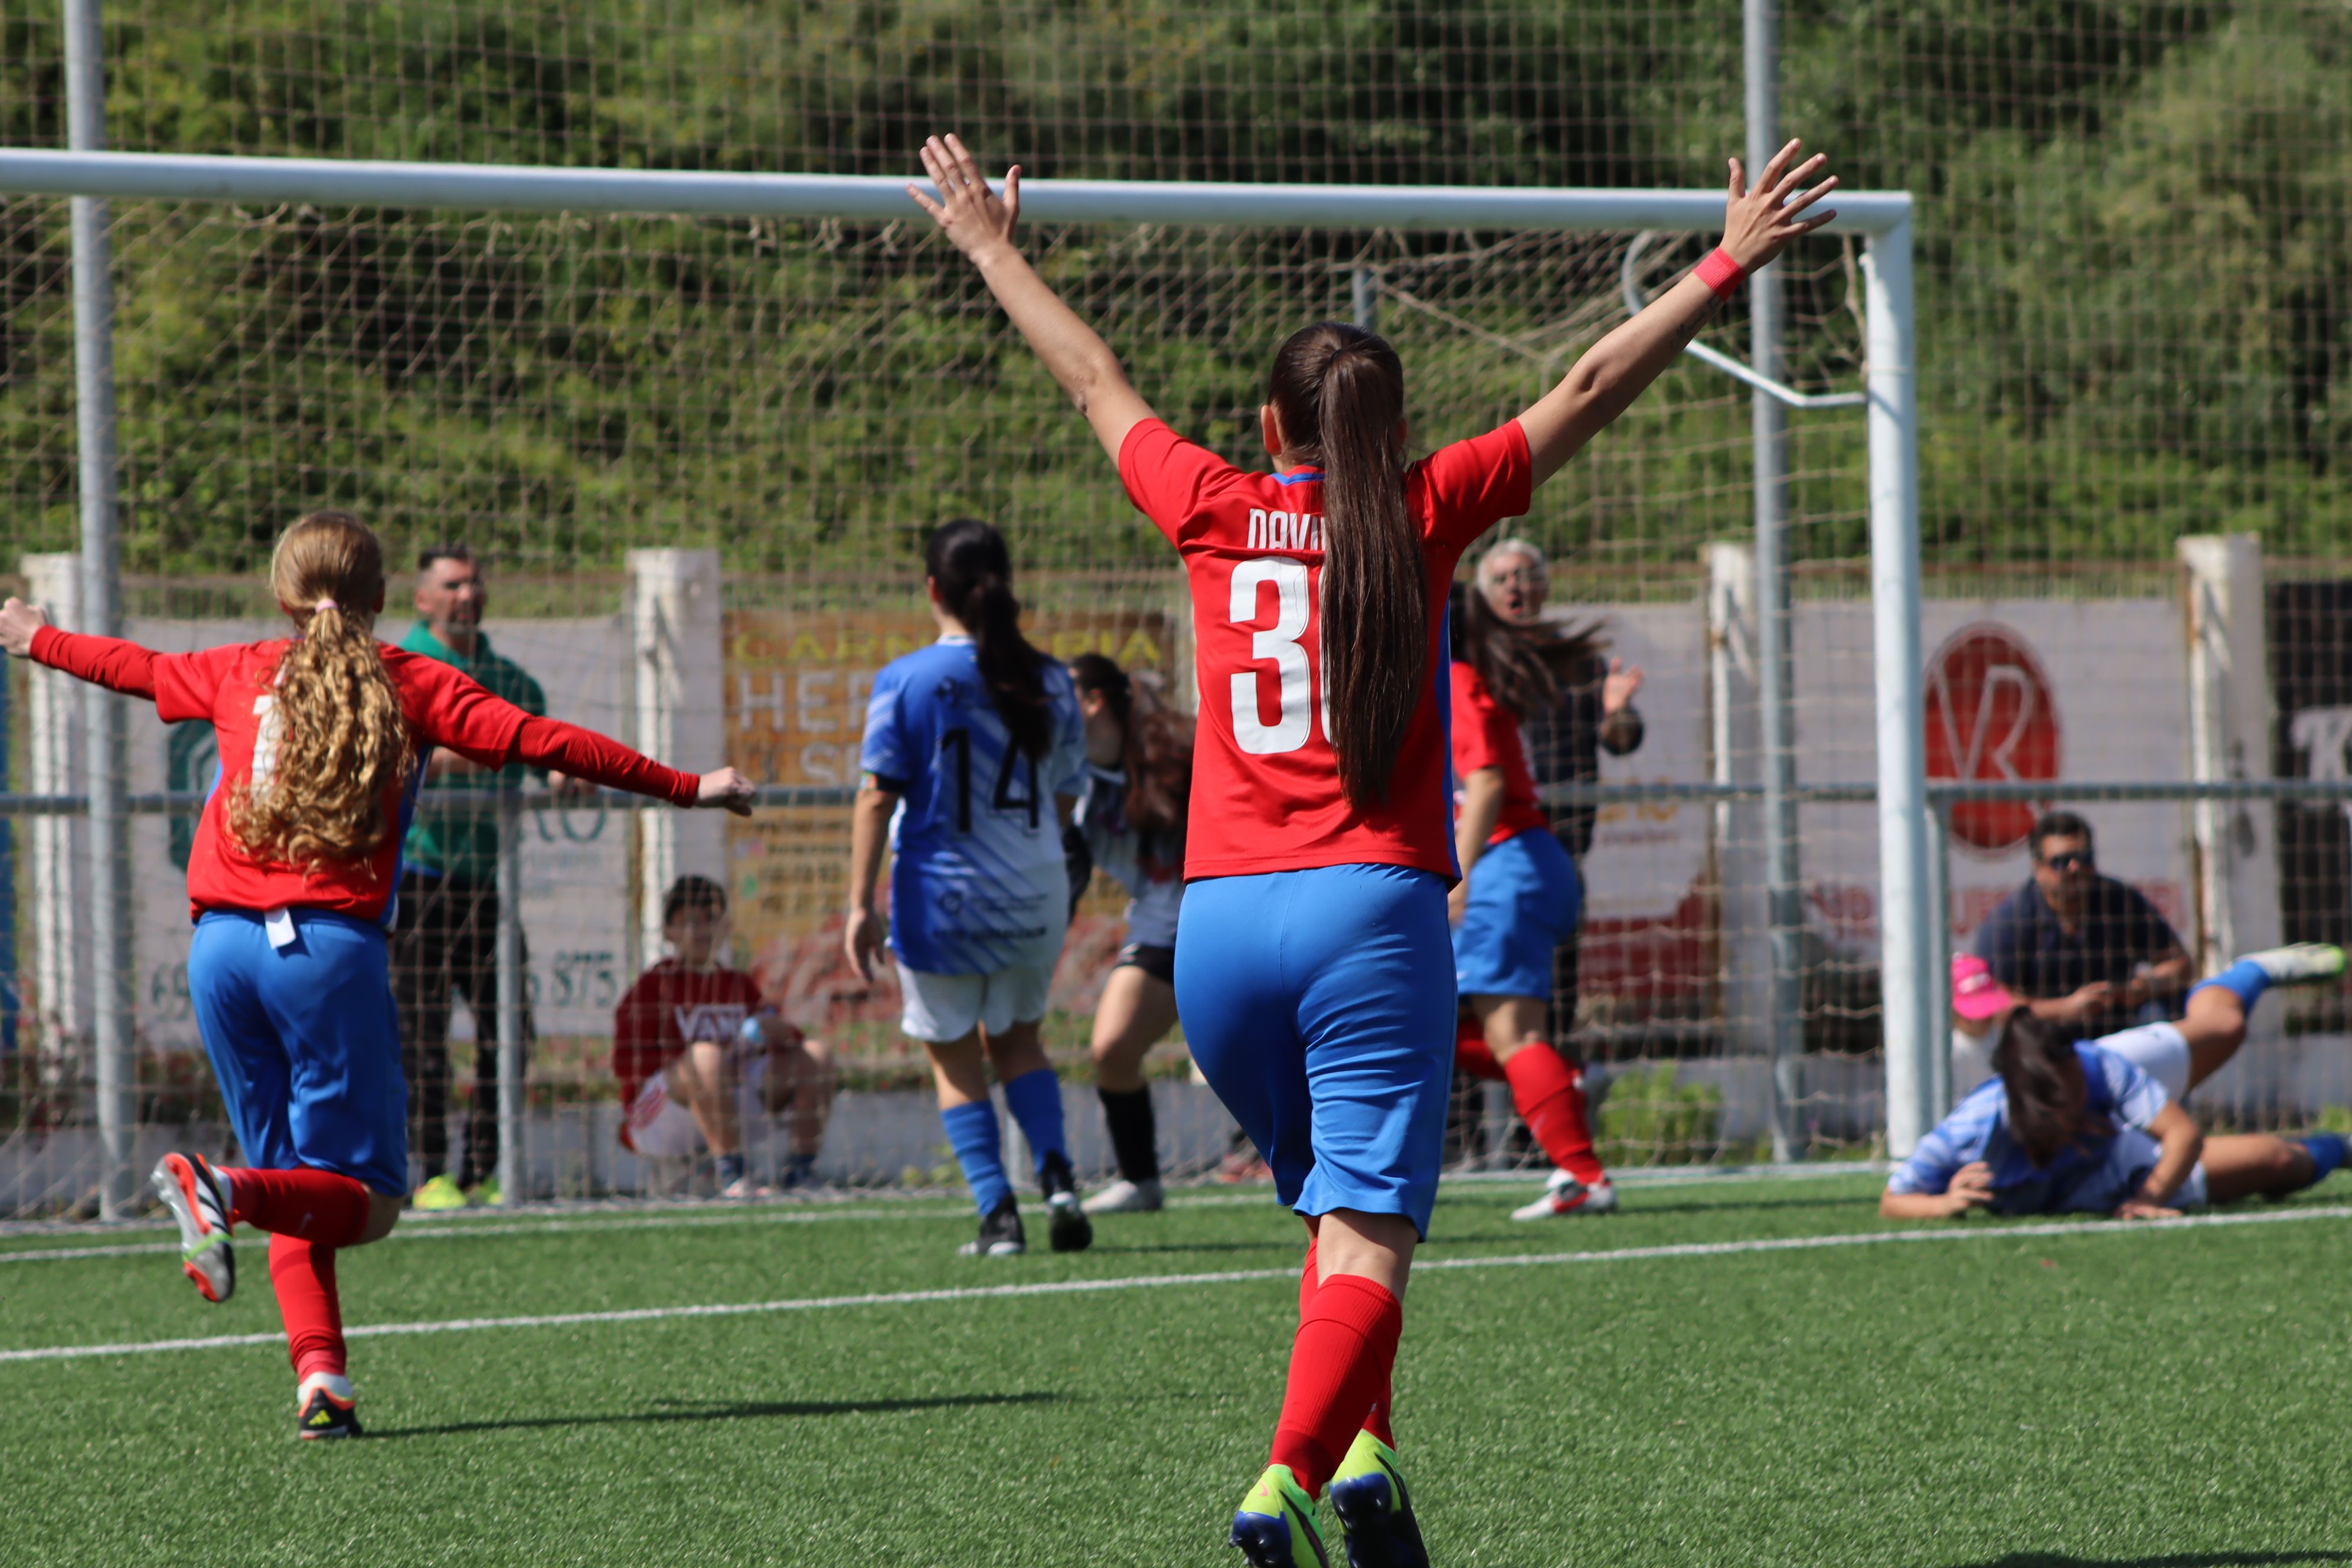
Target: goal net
[[695, 459]]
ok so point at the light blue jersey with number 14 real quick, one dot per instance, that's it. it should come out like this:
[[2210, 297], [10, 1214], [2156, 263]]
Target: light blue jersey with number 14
[[979, 884]]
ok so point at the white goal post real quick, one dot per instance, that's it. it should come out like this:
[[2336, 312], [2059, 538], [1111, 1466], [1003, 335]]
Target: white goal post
[[1911, 969]]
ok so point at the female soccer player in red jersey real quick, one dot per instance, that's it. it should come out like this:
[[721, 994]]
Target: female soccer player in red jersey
[[1312, 960], [1517, 901], [323, 737]]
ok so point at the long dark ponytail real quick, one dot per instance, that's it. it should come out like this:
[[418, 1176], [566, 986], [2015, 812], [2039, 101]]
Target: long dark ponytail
[[1338, 392], [1155, 746], [2043, 1077], [968, 560]]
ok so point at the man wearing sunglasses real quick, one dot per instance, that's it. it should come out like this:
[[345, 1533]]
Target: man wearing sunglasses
[[2078, 947]]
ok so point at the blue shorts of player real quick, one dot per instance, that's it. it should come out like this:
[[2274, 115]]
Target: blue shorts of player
[[1525, 896], [1320, 1005], [305, 1043]]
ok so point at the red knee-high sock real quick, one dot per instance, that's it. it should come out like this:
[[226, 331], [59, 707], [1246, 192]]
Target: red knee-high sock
[[1473, 1055], [1338, 1366], [1376, 1420], [303, 1273], [1549, 1095], [315, 1205]]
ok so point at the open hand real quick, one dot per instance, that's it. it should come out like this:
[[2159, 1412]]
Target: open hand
[[1759, 225], [2141, 1208], [18, 622], [1617, 690], [975, 218], [727, 789]]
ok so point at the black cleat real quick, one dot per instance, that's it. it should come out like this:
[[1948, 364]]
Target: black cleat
[[1000, 1234], [1072, 1231], [327, 1412]]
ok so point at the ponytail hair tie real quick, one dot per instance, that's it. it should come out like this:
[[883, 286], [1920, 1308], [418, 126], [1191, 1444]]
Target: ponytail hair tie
[[324, 604]]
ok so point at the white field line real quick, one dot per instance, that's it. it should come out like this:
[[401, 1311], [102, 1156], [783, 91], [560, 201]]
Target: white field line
[[1224, 1277]]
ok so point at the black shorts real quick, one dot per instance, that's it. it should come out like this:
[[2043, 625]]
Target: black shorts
[[1160, 963]]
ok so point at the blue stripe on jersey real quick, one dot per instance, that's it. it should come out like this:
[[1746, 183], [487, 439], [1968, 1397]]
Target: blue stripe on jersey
[[979, 885], [1302, 477]]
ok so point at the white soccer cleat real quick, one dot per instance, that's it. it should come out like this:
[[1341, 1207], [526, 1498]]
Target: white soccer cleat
[[1565, 1195], [1124, 1196], [192, 1192], [2298, 963]]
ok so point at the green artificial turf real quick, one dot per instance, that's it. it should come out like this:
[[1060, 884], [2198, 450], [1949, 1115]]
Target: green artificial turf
[[2105, 1395]]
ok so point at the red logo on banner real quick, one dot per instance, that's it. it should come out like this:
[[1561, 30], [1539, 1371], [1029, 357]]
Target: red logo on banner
[[1990, 716]]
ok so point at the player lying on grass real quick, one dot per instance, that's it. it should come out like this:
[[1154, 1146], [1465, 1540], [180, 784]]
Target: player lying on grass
[[2179, 1055], [2071, 1127], [1517, 901], [1313, 966], [700, 1055], [1131, 822], [973, 755], [322, 738]]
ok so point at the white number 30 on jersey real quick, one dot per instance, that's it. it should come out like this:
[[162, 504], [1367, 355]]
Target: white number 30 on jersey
[[1284, 646]]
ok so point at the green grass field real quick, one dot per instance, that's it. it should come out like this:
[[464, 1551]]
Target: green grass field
[[2145, 1396]]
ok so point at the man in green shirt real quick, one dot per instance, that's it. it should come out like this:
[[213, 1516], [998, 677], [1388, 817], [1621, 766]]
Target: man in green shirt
[[446, 940]]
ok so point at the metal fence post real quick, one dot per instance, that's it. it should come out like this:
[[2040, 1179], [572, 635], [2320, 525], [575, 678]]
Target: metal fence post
[[1940, 945], [512, 1169], [112, 1037], [1364, 297]]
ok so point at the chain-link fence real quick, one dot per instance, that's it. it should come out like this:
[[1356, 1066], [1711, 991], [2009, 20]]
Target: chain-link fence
[[2133, 327]]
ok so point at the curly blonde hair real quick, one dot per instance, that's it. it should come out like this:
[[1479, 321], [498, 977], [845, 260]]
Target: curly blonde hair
[[334, 739]]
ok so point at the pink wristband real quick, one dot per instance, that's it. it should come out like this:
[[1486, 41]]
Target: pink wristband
[[1720, 273]]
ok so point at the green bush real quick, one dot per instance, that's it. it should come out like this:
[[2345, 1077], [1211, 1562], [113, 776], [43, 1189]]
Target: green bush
[[1652, 1119]]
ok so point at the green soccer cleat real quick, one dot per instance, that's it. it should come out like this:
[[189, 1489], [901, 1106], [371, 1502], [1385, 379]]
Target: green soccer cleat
[[441, 1193], [2298, 963], [490, 1195], [1368, 1495], [1274, 1526]]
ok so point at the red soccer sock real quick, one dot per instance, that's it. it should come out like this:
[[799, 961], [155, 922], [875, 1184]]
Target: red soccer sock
[[303, 1273], [1339, 1366], [1549, 1095], [313, 1205], [1472, 1054]]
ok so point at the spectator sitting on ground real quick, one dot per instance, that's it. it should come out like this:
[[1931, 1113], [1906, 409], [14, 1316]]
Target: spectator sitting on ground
[[2070, 1127], [698, 1055], [2180, 1056], [2081, 949]]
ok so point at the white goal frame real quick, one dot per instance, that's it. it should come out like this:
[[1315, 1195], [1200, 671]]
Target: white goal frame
[[1910, 968]]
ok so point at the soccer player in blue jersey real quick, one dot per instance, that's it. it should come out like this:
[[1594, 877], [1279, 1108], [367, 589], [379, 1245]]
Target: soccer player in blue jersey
[[975, 751], [2069, 1126]]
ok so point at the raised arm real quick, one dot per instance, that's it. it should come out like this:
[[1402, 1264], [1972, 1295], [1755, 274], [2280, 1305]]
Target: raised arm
[[980, 223], [575, 753], [110, 662], [1758, 226]]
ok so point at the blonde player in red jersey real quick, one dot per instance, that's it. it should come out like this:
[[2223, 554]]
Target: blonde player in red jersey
[[323, 738], [1313, 966]]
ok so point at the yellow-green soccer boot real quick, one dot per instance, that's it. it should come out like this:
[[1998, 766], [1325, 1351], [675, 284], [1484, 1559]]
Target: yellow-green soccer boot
[[1369, 1497], [1274, 1526]]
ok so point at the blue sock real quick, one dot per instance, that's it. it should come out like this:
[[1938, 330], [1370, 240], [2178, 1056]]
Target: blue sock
[[971, 1132], [1036, 1101], [2326, 1149], [2245, 978]]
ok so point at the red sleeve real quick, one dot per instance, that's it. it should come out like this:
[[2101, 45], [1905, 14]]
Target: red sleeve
[[1168, 477], [1465, 488], [110, 662], [1480, 725], [586, 755], [452, 710]]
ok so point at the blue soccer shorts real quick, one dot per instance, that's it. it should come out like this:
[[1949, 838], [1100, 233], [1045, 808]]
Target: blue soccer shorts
[[305, 1042], [1320, 1005], [1525, 897]]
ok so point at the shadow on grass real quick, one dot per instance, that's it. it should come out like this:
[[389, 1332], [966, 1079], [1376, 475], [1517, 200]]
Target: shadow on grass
[[728, 1411], [2170, 1559]]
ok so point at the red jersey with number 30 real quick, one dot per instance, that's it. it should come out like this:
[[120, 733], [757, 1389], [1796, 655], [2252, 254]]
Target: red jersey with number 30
[[1265, 785], [1487, 735]]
